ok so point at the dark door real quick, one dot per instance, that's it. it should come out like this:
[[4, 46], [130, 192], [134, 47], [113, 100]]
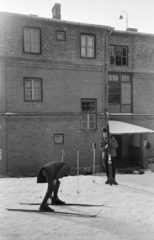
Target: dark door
[[118, 138]]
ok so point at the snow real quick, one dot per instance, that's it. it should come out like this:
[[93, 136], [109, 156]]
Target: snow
[[127, 215]]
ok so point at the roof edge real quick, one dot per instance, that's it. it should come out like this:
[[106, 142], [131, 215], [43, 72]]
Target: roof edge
[[33, 16]]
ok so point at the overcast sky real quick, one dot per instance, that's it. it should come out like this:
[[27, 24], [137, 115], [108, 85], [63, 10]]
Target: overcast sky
[[103, 12]]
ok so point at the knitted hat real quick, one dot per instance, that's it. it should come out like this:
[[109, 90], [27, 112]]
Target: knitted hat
[[103, 129]]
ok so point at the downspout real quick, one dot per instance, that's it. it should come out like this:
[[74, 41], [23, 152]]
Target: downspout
[[106, 73]]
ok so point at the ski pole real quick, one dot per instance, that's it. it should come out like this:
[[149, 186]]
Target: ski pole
[[63, 153], [93, 149], [77, 171], [109, 155]]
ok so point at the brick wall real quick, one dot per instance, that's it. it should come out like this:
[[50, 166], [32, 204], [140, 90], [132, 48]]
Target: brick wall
[[52, 49], [3, 145], [62, 89], [30, 142], [143, 93], [2, 87]]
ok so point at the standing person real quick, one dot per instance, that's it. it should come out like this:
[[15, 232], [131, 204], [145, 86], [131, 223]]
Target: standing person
[[51, 173], [104, 148]]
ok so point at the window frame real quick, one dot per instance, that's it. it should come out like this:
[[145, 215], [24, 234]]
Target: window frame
[[120, 74], [58, 134], [24, 89], [40, 42], [88, 114], [94, 48], [122, 47], [61, 31]]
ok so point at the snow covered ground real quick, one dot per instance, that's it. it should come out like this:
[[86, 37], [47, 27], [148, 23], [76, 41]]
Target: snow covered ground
[[127, 215]]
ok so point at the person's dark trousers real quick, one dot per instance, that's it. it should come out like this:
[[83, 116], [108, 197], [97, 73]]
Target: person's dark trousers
[[56, 188], [113, 167]]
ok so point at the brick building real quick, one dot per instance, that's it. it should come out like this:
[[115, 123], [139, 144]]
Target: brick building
[[58, 78]]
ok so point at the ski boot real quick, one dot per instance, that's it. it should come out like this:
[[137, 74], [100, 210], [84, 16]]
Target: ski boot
[[45, 208], [57, 201]]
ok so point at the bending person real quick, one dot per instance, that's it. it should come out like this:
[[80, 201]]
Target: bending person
[[51, 173]]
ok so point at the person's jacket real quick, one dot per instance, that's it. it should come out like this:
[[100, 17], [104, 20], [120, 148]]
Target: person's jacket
[[104, 147], [56, 169], [114, 145]]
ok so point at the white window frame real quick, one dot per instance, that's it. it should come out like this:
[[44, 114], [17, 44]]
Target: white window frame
[[88, 114], [88, 122], [31, 42], [113, 49], [87, 47], [32, 89]]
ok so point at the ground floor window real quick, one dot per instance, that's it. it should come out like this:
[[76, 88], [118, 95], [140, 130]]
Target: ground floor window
[[33, 89], [88, 114]]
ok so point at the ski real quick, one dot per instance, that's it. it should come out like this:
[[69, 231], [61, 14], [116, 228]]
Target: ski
[[55, 212], [68, 204]]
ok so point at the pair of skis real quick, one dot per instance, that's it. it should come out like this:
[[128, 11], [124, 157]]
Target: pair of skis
[[61, 212]]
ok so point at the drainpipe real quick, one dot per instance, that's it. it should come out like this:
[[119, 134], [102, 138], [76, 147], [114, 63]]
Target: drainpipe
[[106, 74]]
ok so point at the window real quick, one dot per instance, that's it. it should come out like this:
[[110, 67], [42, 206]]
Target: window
[[88, 114], [32, 40], [58, 138], [114, 88], [120, 90], [87, 46], [33, 89], [119, 55], [61, 35]]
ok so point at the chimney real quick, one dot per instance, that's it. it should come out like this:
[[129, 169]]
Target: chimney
[[56, 11]]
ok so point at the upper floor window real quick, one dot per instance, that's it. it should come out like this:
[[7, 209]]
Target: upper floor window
[[119, 55], [88, 114], [87, 46], [61, 35], [120, 91], [33, 89], [31, 40]]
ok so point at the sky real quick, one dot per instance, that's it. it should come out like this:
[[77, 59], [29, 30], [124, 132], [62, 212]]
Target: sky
[[140, 13]]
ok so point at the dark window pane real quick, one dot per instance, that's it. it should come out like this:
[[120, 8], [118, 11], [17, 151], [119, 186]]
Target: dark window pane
[[124, 61], [118, 55], [88, 106], [124, 52], [114, 88], [112, 55]]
